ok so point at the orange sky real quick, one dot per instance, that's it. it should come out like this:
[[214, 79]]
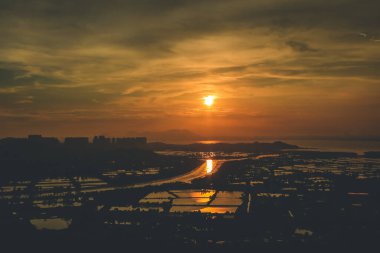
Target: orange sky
[[131, 67]]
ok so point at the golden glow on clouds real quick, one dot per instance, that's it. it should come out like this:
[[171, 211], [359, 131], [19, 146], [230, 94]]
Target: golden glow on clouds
[[151, 72]]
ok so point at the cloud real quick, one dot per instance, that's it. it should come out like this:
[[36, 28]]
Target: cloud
[[300, 46], [156, 59], [18, 77]]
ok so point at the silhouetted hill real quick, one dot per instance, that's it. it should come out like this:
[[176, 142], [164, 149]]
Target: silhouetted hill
[[372, 154], [172, 135], [322, 154]]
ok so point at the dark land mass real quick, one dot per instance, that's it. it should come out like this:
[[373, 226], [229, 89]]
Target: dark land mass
[[321, 154], [298, 204], [372, 154], [22, 158], [293, 201]]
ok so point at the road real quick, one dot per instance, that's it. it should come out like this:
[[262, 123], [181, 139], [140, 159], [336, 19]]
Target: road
[[207, 168], [198, 172]]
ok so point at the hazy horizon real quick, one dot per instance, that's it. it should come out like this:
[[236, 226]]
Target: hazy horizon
[[357, 144], [185, 136]]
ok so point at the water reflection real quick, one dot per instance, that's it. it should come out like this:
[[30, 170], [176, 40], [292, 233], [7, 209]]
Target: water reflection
[[51, 223], [209, 166]]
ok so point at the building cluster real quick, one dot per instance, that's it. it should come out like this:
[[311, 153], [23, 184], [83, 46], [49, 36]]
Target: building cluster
[[136, 142]]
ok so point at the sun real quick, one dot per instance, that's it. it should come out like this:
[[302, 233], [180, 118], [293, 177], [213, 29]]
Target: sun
[[209, 100]]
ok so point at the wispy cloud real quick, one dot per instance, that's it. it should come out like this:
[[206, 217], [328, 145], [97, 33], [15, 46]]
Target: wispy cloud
[[128, 65]]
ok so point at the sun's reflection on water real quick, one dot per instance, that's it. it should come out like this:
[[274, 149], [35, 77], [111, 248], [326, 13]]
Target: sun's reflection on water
[[209, 166]]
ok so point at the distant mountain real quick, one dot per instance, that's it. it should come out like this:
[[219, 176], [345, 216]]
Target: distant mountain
[[372, 154], [172, 135], [226, 147]]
